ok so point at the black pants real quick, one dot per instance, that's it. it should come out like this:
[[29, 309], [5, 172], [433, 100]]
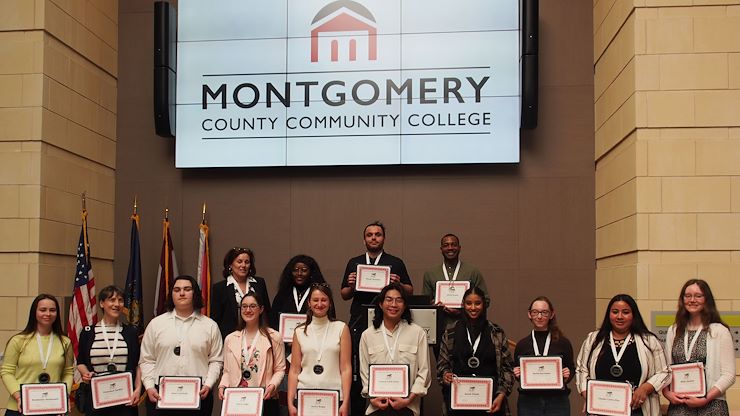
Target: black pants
[[206, 408]]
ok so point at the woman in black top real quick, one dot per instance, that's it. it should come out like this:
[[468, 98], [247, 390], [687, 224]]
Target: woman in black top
[[110, 347], [297, 277], [477, 347], [546, 340], [239, 279]]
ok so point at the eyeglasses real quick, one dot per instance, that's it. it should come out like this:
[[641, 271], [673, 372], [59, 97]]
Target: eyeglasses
[[697, 296], [251, 307], [398, 301], [303, 270], [533, 313], [240, 249]]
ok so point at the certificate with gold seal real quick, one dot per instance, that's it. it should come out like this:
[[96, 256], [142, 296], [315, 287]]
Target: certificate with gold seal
[[541, 372], [689, 379], [178, 392], [243, 401], [318, 402], [450, 292], [608, 398], [44, 399], [287, 324], [471, 393], [389, 380], [111, 389], [371, 278]]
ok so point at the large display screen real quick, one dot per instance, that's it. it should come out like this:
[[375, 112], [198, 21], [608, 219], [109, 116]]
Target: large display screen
[[366, 82]]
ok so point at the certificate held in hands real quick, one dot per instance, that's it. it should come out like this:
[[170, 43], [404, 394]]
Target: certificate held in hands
[[689, 379], [318, 403], [608, 398], [178, 392], [111, 390], [450, 293], [44, 399], [372, 278], [472, 393], [243, 401], [288, 322], [388, 380], [541, 373]]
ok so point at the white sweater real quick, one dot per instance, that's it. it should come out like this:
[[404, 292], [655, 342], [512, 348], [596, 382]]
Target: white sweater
[[720, 365]]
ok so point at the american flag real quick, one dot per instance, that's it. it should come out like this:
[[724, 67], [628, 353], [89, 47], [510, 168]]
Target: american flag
[[204, 268], [82, 309]]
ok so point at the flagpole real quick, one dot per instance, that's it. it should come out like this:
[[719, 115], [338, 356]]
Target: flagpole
[[136, 206], [203, 220]]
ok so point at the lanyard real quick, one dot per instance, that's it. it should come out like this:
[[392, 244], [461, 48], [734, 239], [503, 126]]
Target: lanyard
[[111, 352], [688, 348], [44, 361], [323, 342], [454, 274], [299, 304], [391, 352], [477, 341], [377, 259], [181, 327], [537, 348], [249, 347], [618, 356]]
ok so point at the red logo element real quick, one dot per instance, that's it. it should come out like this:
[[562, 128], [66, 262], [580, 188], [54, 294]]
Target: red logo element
[[344, 22]]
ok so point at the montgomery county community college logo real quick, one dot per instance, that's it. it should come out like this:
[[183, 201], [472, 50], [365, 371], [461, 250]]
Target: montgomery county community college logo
[[340, 30]]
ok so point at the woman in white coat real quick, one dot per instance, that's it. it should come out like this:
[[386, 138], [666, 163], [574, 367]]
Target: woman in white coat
[[700, 335]]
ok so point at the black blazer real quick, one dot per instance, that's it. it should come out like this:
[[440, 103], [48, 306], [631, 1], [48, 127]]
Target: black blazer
[[224, 309], [130, 335]]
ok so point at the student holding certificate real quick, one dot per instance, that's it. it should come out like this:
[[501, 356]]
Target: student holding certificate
[[181, 348], [239, 279], [396, 343], [38, 354], [254, 355], [624, 350], [545, 340], [476, 347], [322, 351], [110, 347], [298, 275], [700, 336]]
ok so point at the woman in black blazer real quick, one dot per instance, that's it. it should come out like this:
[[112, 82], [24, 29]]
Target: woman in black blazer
[[239, 279]]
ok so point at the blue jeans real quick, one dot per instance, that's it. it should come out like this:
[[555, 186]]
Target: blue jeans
[[533, 404]]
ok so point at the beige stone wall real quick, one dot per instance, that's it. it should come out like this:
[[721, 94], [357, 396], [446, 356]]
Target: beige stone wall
[[58, 76], [667, 131]]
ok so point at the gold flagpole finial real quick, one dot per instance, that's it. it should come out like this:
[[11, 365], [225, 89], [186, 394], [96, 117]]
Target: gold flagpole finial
[[203, 220], [136, 205], [84, 202], [167, 214]]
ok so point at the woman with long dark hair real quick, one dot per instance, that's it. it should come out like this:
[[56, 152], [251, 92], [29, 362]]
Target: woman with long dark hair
[[41, 353], [298, 275], [700, 335], [477, 346], [322, 351], [394, 339], [624, 349], [253, 354], [109, 347], [546, 339], [240, 278]]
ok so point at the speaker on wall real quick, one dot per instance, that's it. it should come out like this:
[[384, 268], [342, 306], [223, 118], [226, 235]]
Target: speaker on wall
[[530, 14], [165, 68]]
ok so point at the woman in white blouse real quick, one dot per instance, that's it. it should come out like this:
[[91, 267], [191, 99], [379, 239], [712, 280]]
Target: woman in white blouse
[[700, 335]]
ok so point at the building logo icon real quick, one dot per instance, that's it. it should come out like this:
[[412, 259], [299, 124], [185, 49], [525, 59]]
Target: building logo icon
[[344, 30]]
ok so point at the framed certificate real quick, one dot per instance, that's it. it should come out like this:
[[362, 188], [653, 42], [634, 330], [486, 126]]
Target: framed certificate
[[111, 390], [389, 380], [450, 292], [318, 403], [608, 398], [243, 401], [689, 379], [178, 392], [471, 393], [288, 322], [372, 278], [44, 399], [540, 373]]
